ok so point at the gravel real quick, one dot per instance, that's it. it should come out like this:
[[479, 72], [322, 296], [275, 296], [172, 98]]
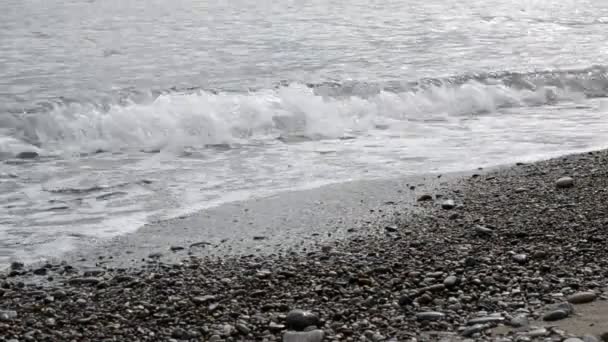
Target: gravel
[[434, 277]]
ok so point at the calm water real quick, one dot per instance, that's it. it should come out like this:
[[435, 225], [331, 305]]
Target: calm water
[[146, 109]]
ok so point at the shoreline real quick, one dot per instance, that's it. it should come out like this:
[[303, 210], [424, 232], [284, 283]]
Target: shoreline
[[510, 250]]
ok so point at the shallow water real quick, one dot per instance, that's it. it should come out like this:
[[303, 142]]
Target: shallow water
[[145, 110]]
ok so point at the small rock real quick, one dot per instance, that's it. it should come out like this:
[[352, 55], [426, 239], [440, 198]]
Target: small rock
[[564, 182], [176, 248], [257, 238], [308, 336], [486, 320], [582, 297], [555, 315], [520, 258], [275, 327], [156, 255], [7, 315], [425, 197], [215, 338], [429, 316], [590, 338], [573, 339], [299, 319], [472, 330], [84, 281], [448, 204], [540, 332], [203, 299], [40, 271], [391, 229], [520, 190], [450, 281], [519, 321], [15, 265], [243, 329], [481, 230], [27, 155], [94, 272]]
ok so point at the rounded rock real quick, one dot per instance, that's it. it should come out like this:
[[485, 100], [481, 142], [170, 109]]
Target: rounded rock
[[450, 281], [555, 315], [582, 297], [430, 316], [300, 319], [448, 204], [564, 182]]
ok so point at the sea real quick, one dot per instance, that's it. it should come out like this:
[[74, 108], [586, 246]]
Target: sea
[[119, 113]]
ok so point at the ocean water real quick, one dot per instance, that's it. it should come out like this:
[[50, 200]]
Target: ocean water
[[143, 110]]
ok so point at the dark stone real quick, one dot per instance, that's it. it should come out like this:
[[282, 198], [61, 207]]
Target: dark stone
[[430, 316], [448, 204], [564, 182], [15, 265], [555, 315], [299, 319], [425, 197], [40, 271], [582, 297], [84, 281], [27, 155]]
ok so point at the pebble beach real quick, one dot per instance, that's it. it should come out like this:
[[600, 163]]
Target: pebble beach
[[514, 254]]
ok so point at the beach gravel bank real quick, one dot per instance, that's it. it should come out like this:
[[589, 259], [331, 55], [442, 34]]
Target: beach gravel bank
[[508, 258]]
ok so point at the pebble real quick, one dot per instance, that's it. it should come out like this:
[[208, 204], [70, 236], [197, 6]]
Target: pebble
[[538, 332], [590, 338], [7, 315], [448, 204], [555, 315], [477, 328], [582, 297], [176, 248], [425, 197], [243, 329], [84, 281], [203, 299], [519, 321], [520, 258], [481, 230], [485, 320], [520, 190], [15, 265], [564, 182], [573, 339], [307, 336], [27, 155], [300, 319], [450, 281], [430, 316]]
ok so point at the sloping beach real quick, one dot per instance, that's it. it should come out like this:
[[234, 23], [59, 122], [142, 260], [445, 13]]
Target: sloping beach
[[510, 254]]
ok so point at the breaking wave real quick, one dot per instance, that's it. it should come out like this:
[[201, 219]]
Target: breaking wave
[[197, 117]]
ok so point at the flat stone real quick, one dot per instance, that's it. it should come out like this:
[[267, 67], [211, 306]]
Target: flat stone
[[176, 248], [555, 315], [538, 332], [573, 339], [300, 319], [486, 320], [430, 316], [94, 272], [242, 328], [520, 190], [564, 182], [519, 321], [448, 204], [450, 281], [582, 297], [306, 336], [481, 230]]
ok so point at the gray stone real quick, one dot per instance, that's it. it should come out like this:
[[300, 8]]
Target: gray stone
[[481, 230], [582, 297], [448, 204], [519, 321], [555, 315], [203, 299], [590, 338], [430, 316], [573, 339], [94, 272], [243, 329], [540, 332], [477, 328], [520, 190], [520, 258], [7, 315], [450, 281], [308, 336], [176, 248], [300, 319], [215, 338], [564, 182], [16, 265], [485, 320]]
